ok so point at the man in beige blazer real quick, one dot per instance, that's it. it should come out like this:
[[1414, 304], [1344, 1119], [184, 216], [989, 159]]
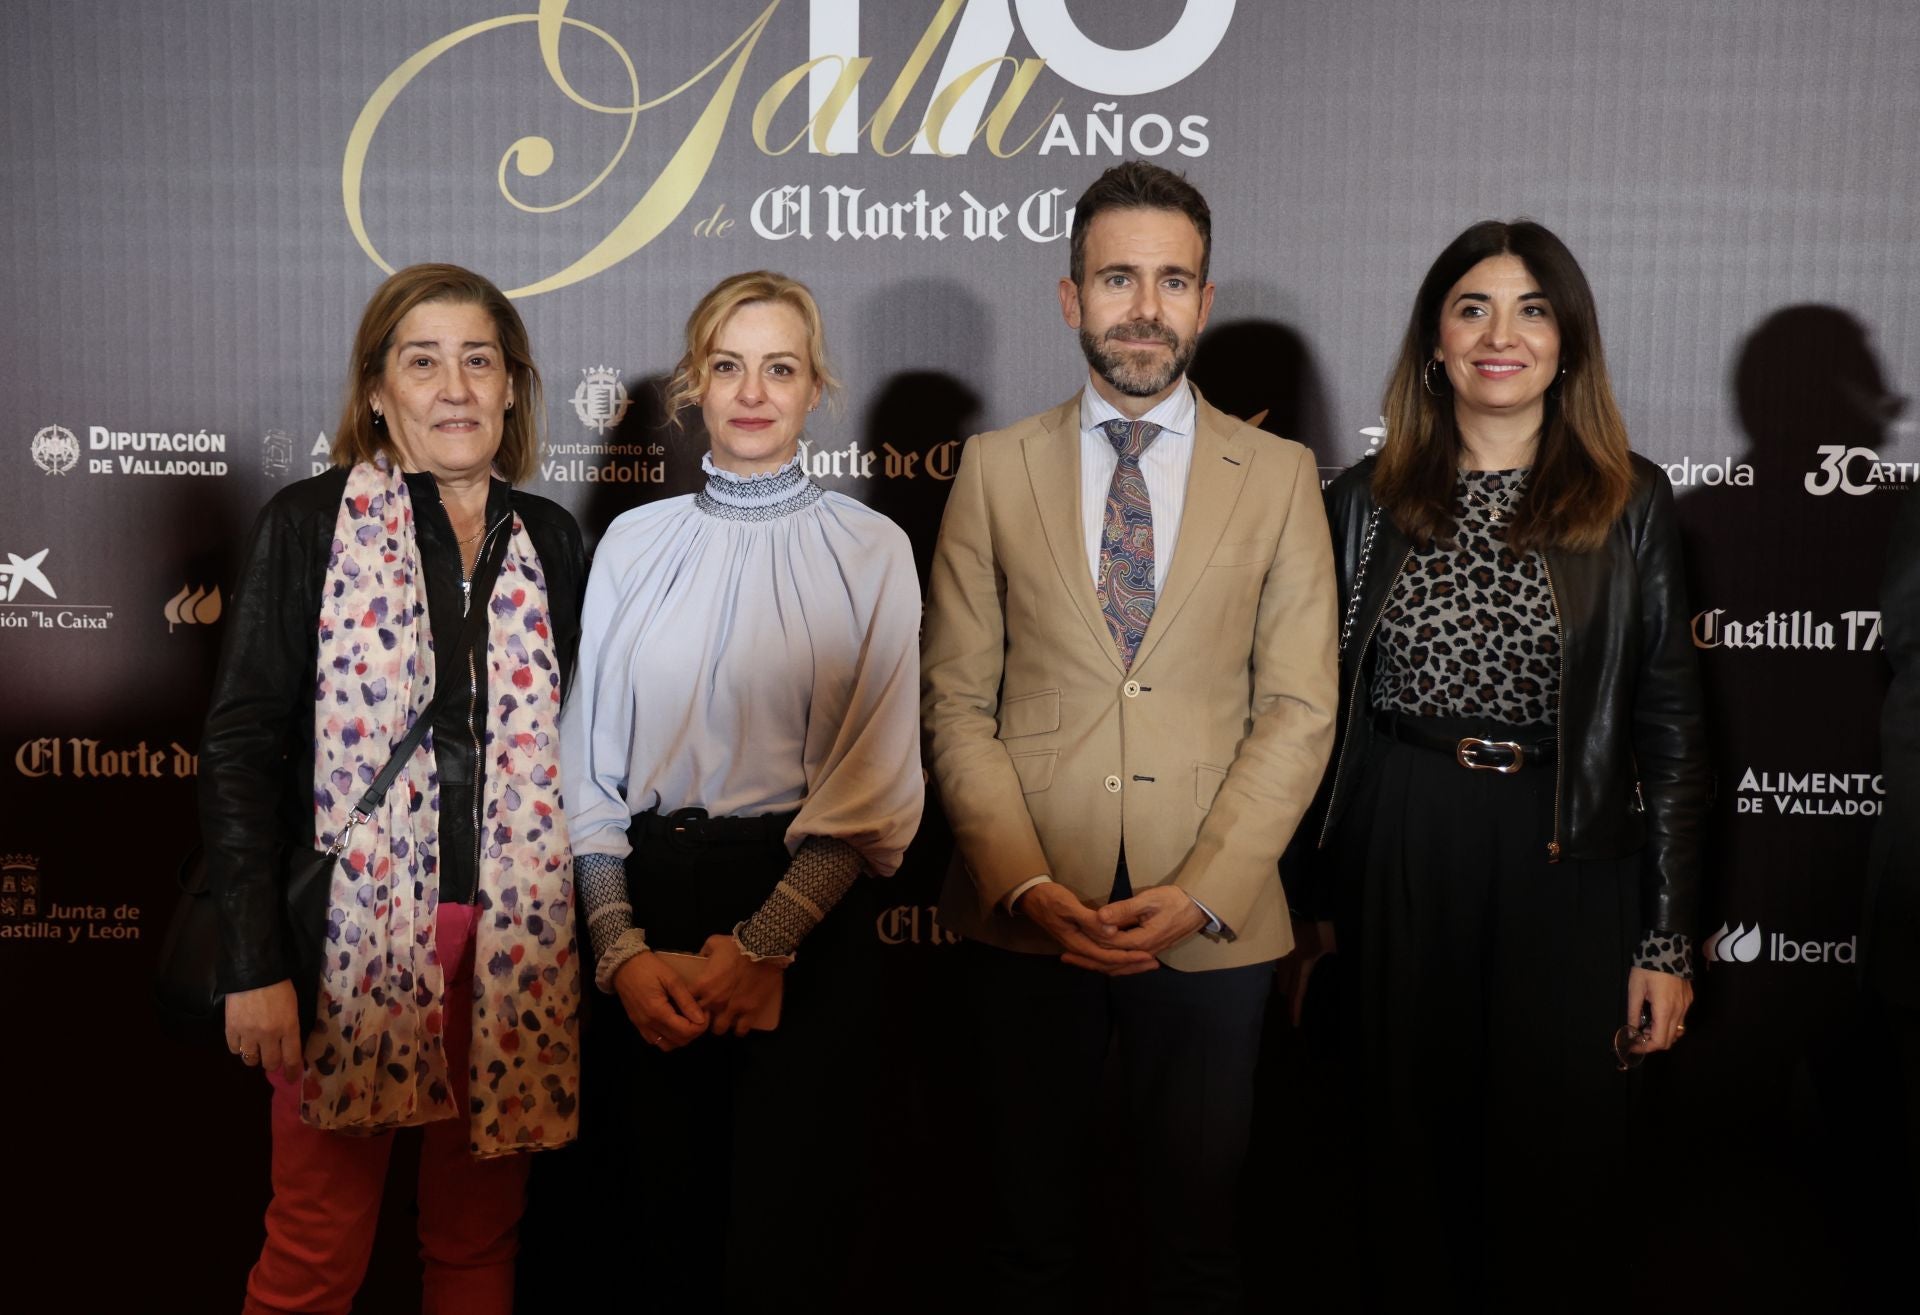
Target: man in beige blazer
[[1128, 686]]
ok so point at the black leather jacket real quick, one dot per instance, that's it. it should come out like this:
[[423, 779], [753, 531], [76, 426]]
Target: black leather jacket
[[1633, 761], [256, 754]]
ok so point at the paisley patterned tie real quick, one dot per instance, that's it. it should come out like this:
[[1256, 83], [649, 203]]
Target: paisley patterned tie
[[1126, 540]]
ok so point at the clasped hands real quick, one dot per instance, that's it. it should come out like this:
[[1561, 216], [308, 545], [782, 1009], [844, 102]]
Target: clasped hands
[[670, 1012], [1118, 939]]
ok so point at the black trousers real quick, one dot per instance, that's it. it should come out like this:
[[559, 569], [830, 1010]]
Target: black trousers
[[726, 1174], [1185, 1046], [1493, 1121]]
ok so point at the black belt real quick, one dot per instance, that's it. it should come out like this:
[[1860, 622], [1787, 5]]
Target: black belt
[[692, 828], [1486, 755]]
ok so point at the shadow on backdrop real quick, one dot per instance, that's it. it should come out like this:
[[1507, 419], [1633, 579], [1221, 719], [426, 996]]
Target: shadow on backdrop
[[1263, 372], [641, 427], [1784, 544], [917, 423], [918, 348], [922, 407], [1816, 409]]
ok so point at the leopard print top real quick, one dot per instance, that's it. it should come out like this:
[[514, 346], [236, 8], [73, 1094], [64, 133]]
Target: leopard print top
[[1470, 629]]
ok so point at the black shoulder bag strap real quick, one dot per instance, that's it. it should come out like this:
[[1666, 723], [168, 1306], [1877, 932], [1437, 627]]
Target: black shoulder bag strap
[[187, 981], [480, 596]]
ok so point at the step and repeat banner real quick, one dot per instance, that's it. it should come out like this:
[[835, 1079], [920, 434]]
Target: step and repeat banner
[[200, 195]]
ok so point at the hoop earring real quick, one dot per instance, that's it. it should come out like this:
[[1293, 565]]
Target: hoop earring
[[1426, 377]]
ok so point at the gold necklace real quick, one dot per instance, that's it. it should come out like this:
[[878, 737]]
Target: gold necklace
[[1500, 506]]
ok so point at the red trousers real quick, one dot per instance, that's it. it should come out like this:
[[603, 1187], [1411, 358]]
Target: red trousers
[[326, 1192]]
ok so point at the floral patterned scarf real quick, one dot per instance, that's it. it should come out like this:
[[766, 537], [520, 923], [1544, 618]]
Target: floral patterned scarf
[[375, 1057]]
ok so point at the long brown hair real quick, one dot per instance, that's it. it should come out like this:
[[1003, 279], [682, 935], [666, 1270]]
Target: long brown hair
[[358, 439], [1582, 476]]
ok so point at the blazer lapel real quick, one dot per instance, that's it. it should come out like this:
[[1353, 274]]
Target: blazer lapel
[[1214, 481], [1053, 467]]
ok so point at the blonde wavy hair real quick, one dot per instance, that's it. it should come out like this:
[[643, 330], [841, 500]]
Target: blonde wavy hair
[[690, 376]]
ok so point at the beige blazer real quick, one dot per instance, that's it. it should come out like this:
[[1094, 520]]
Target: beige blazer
[[1201, 759]]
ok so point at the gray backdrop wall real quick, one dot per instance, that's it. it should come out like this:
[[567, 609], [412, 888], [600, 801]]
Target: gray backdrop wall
[[199, 195]]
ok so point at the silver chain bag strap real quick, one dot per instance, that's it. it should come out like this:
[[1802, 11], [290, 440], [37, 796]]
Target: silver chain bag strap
[[1359, 580]]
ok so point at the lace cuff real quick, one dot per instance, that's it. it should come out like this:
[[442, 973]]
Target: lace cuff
[[625, 946], [1666, 952], [602, 882], [823, 870]]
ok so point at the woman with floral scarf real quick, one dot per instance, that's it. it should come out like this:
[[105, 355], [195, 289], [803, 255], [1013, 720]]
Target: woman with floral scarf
[[446, 990]]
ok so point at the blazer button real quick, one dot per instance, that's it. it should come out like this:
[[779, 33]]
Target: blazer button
[[1131, 689], [1113, 785]]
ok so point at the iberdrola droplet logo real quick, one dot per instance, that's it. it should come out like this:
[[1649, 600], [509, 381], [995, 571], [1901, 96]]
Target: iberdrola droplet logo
[[1741, 945]]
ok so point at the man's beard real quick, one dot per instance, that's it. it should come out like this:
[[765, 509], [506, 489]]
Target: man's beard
[[1131, 371]]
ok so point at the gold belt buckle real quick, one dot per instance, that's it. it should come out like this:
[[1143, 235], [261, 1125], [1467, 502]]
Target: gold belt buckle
[[1468, 745]]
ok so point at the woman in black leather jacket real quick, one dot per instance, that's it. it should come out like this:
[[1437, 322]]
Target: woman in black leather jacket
[[1512, 818], [447, 987]]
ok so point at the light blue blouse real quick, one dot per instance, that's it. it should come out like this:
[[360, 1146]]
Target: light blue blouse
[[752, 648]]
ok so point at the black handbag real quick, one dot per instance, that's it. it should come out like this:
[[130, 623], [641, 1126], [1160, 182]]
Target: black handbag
[[186, 986], [186, 983]]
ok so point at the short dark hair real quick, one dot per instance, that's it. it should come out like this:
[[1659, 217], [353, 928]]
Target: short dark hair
[[1137, 185]]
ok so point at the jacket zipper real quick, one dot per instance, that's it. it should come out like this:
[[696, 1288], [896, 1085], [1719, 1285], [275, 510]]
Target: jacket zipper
[[1560, 739], [473, 702], [1353, 700], [473, 698]]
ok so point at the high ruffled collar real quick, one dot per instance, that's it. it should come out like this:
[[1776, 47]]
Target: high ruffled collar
[[766, 496]]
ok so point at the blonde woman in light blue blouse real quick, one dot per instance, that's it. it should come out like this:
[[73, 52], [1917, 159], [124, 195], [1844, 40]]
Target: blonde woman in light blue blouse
[[743, 747]]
